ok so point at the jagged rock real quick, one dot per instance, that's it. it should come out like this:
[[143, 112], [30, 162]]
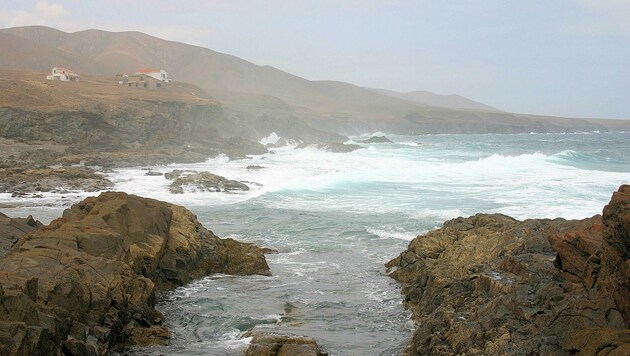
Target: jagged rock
[[335, 147], [11, 229], [206, 181], [490, 284], [579, 251], [270, 344], [154, 174], [87, 281], [254, 167], [40, 156], [174, 174], [616, 250], [376, 139], [28, 180]]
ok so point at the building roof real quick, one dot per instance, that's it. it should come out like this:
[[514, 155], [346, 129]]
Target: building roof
[[68, 71], [148, 70]]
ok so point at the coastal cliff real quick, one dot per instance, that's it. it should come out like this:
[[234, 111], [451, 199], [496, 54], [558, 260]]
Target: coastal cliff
[[104, 123], [490, 284], [86, 283]]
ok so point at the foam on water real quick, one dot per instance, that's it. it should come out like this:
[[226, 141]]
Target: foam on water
[[391, 232], [399, 174], [273, 139]]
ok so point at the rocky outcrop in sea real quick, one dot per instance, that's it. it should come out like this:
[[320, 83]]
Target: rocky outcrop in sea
[[334, 147], [489, 285], [272, 344], [376, 139], [86, 283], [202, 181]]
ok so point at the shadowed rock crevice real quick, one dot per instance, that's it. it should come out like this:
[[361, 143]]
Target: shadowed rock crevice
[[86, 283], [11, 229]]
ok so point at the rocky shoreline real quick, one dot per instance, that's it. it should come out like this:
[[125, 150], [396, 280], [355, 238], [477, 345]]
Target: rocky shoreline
[[86, 283], [21, 180], [489, 284]]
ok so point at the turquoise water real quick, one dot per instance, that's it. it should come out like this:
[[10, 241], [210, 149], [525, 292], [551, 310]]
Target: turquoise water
[[335, 219]]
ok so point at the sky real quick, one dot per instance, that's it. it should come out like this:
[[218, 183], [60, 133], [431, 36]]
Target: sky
[[554, 57]]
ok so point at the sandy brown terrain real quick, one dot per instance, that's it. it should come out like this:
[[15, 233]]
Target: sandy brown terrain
[[31, 90]]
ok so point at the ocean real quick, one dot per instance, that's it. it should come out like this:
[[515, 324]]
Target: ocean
[[336, 218]]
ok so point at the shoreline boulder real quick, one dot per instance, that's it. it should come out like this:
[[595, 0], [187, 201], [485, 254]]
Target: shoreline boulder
[[86, 283], [204, 181], [375, 139], [273, 344]]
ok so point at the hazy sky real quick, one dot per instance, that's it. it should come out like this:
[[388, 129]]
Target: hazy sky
[[568, 58]]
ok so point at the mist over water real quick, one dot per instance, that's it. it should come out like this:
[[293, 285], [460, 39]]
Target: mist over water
[[336, 218]]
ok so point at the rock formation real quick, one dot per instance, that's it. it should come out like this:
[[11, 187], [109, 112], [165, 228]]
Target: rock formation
[[204, 181], [489, 284], [19, 179], [86, 283], [376, 139], [11, 229], [334, 147], [269, 344]]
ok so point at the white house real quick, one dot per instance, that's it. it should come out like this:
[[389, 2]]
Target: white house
[[159, 74], [63, 74]]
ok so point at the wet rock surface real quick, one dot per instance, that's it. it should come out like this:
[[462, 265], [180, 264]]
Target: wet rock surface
[[489, 284], [376, 139], [271, 344], [86, 283], [203, 181], [21, 179], [334, 147]]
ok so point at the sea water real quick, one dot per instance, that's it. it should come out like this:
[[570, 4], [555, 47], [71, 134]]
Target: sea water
[[336, 218]]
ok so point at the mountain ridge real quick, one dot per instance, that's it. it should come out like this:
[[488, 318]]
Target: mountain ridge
[[452, 101], [263, 92], [126, 51]]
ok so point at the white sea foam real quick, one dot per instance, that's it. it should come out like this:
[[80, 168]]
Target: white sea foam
[[273, 139], [391, 232], [397, 179]]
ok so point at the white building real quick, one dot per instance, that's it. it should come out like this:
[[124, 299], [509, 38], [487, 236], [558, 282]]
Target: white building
[[159, 74], [63, 74]]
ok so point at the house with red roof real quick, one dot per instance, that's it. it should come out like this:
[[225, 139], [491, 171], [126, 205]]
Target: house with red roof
[[146, 78], [159, 74], [63, 74]]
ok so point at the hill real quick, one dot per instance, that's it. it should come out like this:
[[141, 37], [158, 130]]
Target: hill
[[452, 101], [268, 96], [125, 52], [102, 122]]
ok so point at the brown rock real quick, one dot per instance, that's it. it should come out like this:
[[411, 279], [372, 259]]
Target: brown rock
[[269, 344], [616, 252], [25, 179], [11, 229], [206, 181], [490, 284], [579, 251], [376, 139], [337, 147], [97, 270]]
